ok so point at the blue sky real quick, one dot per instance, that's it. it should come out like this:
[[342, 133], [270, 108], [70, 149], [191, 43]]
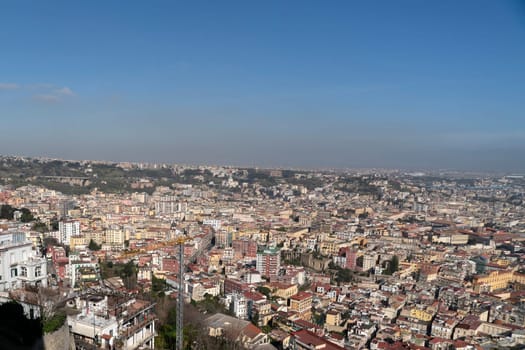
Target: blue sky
[[410, 84]]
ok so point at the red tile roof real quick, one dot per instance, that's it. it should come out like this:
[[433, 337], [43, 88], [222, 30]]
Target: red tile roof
[[301, 296], [307, 337]]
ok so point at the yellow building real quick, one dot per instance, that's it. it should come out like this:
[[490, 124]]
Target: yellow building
[[330, 247], [493, 281], [75, 241], [359, 211], [115, 236], [519, 278], [333, 318], [297, 233], [502, 262], [97, 236], [302, 304], [421, 315], [282, 290]]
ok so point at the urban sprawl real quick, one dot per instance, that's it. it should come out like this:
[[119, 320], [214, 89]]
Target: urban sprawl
[[272, 258]]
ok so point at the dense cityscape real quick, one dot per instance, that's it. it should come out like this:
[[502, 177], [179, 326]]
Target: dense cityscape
[[272, 258], [262, 175]]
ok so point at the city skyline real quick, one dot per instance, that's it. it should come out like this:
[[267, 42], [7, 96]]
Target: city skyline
[[301, 84]]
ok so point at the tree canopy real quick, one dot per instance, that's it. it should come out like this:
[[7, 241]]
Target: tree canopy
[[93, 245], [8, 212], [393, 265]]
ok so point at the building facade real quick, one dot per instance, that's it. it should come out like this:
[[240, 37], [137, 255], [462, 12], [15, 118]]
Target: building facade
[[269, 262], [19, 263], [67, 229]]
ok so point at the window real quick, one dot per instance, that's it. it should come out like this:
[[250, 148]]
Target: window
[[38, 271], [23, 271], [14, 272]]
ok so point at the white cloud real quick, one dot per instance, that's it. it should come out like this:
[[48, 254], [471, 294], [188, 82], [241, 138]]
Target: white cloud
[[8, 86], [47, 98], [51, 93], [44, 92], [65, 91]]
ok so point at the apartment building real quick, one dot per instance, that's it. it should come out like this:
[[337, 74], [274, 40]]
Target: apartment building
[[302, 304], [269, 262], [66, 229], [19, 263]]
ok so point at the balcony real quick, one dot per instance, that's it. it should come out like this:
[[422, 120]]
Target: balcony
[[132, 329]]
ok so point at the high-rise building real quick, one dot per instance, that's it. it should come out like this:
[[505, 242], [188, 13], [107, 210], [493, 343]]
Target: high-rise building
[[269, 262], [169, 205], [223, 239], [68, 228], [244, 248], [351, 256], [369, 261]]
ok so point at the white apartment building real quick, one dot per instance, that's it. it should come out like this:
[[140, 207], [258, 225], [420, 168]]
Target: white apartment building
[[252, 277], [19, 263], [238, 305], [216, 224], [67, 229], [110, 322]]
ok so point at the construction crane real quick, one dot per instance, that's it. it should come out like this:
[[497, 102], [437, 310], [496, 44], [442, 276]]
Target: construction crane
[[180, 241]]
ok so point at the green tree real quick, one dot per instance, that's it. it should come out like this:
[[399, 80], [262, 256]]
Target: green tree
[[193, 332], [158, 285], [344, 275], [255, 318], [93, 245], [393, 265], [26, 216], [50, 241], [319, 318], [54, 224], [7, 212], [39, 226], [266, 329]]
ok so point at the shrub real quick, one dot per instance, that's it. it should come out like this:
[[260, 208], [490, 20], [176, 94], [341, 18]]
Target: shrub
[[54, 323]]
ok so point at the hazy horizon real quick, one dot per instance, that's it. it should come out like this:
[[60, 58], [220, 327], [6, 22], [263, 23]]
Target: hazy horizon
[[404, 85], [406, 170]]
